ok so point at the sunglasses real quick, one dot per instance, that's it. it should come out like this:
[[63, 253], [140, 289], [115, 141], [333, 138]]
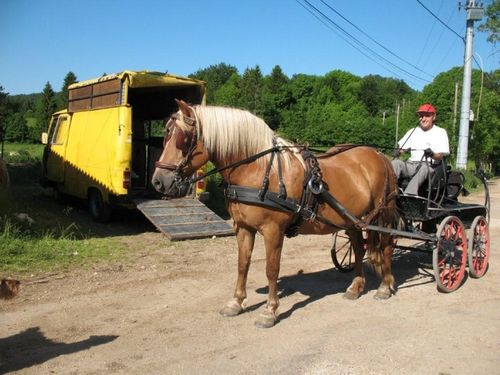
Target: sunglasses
[[425, 114]]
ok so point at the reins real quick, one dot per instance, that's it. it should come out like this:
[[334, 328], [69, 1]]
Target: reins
[[250, 159], [273, 149]]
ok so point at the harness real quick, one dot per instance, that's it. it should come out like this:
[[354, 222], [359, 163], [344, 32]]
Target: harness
[[314, 192]]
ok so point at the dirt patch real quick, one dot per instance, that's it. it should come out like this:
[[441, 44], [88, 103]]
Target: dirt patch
[[157, 313]]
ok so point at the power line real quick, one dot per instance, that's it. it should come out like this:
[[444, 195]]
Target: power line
[[357, 41], [439, 19], [429, 34], [431, 52], [375, 41], [346, 40], [342, 37]]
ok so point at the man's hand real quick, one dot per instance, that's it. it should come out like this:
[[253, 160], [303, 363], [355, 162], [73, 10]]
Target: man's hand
[[428, 153]]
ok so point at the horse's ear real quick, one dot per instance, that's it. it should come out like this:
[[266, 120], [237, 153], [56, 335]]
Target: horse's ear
[[184, 107]]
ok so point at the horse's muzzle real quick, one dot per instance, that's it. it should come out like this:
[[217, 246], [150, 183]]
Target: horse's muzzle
[[168, 183]]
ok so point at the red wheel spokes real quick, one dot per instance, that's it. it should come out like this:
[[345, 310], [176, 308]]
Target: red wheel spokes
[[479, 244], [452, 254]]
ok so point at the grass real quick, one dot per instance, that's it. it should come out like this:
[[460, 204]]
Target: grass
[[24, 251], [22, 152], [38, 234]]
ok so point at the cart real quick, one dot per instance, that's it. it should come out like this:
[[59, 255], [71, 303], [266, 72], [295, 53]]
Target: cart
[[455, 233]]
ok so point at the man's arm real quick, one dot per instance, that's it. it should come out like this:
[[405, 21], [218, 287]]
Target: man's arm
[[438, 156]]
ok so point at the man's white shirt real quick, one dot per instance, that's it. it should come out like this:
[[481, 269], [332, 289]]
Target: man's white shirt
[[435, 138]]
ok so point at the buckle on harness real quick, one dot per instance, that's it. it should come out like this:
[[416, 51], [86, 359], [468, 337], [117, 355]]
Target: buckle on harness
[[315, 188]]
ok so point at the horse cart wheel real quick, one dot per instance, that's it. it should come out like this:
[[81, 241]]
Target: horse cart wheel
[[449, 257], [342, 251], [479, 247]]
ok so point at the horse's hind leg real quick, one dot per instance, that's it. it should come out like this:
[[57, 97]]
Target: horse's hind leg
[[386, 287], [245, 238], [358, 283]]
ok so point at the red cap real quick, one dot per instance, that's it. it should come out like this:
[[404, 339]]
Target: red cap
[[426, 108]]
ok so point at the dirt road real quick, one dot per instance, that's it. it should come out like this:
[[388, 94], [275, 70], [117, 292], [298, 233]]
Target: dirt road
[[158, 314]]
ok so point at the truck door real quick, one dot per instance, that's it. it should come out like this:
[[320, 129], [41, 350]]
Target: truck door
[[56, 148]]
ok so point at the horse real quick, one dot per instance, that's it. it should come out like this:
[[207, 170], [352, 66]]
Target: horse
[[359, 180]]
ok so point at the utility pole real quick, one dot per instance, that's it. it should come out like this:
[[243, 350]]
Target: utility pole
[[474, 13], [455, 105], [397, 126]]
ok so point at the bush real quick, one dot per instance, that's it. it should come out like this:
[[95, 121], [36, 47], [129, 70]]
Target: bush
[[21, 156], [22, 153], [217, 201]]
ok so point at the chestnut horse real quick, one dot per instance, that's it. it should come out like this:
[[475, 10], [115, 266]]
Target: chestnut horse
[[360, 179]]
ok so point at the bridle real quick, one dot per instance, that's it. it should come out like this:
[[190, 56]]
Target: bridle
[[184, 141]]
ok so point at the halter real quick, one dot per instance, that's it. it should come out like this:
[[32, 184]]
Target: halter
[[186, 152]]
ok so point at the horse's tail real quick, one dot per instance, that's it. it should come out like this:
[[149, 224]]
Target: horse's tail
[[375, 255], [385, 217]]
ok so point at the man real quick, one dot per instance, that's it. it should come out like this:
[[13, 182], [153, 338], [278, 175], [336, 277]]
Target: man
[[426, 141]]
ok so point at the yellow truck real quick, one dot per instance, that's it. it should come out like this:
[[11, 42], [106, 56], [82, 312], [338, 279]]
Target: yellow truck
[[103, 147]]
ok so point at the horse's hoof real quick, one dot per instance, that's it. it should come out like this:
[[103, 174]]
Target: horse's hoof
[[350, 295], [232, 308], [382, 294], [266, 320]]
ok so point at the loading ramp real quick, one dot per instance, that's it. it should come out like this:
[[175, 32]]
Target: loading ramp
[[183, 218]]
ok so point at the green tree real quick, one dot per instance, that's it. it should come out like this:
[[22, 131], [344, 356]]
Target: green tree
[[370, 94], [63, 95], [3, 112], [492, 23], [275, 97], [16, 128], [301, 90], [229, 93], [215, 76], [485, 130], [251, 90], [45, 107]]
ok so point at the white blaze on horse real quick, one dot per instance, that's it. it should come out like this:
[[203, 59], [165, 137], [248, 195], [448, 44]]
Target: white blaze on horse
[[274, 189]]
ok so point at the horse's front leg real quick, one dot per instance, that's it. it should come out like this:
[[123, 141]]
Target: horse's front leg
[[273, 240], [245, 238], [358, 283]]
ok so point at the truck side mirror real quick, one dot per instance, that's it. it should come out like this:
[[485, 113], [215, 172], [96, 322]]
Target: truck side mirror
[[45, 138]]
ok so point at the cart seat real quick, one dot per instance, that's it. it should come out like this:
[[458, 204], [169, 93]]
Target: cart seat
[[444, 182], [438, 182]]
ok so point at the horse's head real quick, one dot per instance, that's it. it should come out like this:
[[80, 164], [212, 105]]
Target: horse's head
[[183, 153]]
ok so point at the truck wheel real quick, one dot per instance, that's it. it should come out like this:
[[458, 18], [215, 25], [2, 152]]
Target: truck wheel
[[99, 209]]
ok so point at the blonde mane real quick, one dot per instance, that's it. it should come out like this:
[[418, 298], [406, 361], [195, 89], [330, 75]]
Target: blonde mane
[[230, 133]]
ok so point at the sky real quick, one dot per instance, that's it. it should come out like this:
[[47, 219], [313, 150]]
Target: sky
[[42, 40]]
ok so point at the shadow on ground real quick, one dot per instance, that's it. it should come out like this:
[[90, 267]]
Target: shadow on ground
[[410, 269], [31, 347]]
